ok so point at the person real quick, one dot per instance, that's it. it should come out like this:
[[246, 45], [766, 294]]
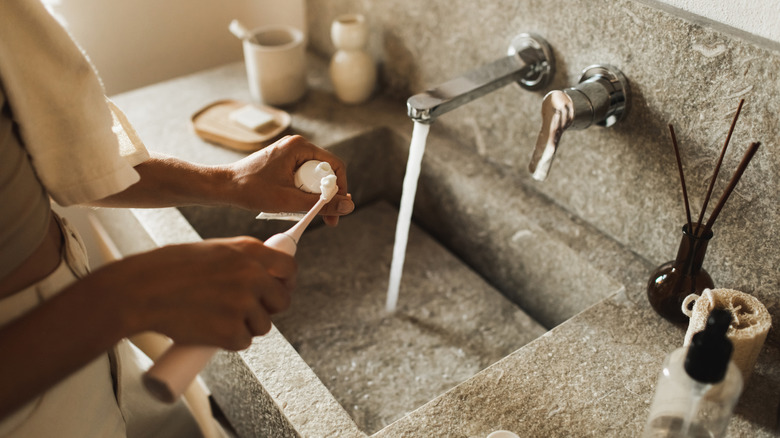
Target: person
[[61, 327]]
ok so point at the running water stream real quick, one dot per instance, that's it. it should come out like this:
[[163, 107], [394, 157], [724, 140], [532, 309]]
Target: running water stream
[[413, 166]]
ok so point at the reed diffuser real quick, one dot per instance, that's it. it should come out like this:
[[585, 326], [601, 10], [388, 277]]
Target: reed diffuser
[[671, 282]]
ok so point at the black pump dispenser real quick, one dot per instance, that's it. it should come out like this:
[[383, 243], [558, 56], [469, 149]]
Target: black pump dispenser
[[698, 386], [710, 350]]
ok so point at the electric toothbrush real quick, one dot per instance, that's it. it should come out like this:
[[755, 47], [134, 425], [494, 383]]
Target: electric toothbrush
[[173, 372]]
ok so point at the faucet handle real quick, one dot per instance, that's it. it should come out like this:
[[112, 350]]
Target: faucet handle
[[557, 116], [600, 97]]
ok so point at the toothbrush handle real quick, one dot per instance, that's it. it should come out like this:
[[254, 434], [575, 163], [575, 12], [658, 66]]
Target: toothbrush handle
[[296, 230], [174, 371]]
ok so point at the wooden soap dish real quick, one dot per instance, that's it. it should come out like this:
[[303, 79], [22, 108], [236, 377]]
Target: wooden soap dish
[[213, 124]]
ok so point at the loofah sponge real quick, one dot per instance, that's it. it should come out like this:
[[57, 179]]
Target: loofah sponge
[[748, 330]]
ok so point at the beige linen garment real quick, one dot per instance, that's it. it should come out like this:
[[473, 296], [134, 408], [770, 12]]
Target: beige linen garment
[[82, 149]]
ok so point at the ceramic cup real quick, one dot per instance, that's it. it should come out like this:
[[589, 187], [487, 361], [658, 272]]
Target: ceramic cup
[[275, 58]]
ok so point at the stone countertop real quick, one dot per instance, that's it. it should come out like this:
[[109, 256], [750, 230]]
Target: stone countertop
[[592, 375]]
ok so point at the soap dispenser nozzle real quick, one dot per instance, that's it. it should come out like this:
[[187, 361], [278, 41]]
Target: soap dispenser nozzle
[[710, 350]]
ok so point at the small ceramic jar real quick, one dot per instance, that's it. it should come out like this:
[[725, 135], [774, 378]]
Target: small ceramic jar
[[352, 70]]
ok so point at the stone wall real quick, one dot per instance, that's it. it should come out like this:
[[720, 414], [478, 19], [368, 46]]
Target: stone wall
[[622, 180]]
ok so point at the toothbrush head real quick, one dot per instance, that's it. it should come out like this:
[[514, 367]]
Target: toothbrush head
[[238, 29], [328, 188]]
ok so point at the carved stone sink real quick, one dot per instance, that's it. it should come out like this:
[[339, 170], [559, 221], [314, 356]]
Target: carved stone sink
[[483, 277]]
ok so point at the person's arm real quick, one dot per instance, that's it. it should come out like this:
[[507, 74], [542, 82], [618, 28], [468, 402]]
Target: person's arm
[[217, 292], [263, 181]]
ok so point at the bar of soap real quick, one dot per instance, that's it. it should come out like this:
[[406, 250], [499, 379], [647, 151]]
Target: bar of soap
[[251, 117]]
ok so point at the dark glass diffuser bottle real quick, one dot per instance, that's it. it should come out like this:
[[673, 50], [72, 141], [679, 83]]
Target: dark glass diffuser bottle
[[671, 282]]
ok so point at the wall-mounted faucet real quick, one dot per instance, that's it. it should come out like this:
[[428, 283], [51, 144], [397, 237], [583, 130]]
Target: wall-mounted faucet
[[529, 62], [601, 97]]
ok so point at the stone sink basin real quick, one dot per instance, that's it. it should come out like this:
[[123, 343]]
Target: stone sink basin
[[484, 276], [491, 266]]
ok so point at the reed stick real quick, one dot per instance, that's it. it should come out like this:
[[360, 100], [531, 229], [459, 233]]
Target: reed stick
[[733, 183], [717, 167], [682, 178]]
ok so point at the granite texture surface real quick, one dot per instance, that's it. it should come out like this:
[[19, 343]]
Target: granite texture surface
[[609, 212], [449, 324], [592, 374], [622, 180]]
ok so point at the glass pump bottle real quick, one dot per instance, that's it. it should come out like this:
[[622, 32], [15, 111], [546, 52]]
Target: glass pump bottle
[[671, 282], [698, 386]]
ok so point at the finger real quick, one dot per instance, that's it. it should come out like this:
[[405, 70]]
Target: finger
[[233, 334], [331, 221], [309, 151], [274, 299], [258, 322], [340, 205], [274, 294], [278, 264], [295, 199], [241, 341]]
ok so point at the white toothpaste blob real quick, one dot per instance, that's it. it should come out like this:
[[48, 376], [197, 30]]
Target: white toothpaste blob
[[328, 187], [308, 178]]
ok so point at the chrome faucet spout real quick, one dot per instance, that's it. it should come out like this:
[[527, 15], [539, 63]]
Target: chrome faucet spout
[[529, 62]]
